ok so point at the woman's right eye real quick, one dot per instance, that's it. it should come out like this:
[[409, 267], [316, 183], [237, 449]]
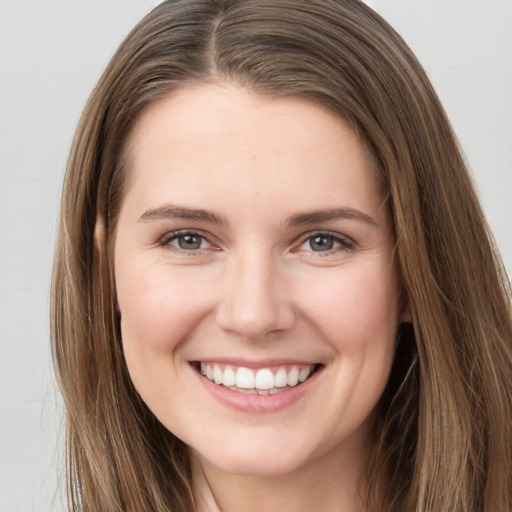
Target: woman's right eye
[[185, 241]]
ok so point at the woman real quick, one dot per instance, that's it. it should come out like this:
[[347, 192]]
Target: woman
[[274, 286]]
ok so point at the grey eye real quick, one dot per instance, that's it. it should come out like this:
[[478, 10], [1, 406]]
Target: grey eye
[[321, 243], [186, 241], [189, 242]]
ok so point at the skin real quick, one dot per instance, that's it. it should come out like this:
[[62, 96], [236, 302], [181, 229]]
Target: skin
[[257, 289]]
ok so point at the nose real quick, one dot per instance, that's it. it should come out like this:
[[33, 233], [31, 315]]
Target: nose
[[254, 299]]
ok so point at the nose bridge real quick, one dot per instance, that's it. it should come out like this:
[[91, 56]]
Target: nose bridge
[[253, 300]]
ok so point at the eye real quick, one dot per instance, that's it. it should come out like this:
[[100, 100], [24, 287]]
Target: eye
[[325, 242], [186, 241]]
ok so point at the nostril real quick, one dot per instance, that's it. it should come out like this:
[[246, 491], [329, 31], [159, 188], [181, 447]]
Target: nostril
[[255, 320]]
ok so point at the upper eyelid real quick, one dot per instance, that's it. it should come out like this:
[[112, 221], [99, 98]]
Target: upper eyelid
[[337, 236], [180, 232]]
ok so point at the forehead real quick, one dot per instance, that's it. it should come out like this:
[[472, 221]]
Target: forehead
[[220, 138], [203, 110]]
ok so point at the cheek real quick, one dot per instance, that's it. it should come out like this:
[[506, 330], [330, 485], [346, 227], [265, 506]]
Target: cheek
[[359, 317], [356, 309], [158, 314], [160, 308]]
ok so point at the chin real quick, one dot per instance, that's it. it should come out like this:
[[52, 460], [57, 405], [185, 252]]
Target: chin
[[258, 457]]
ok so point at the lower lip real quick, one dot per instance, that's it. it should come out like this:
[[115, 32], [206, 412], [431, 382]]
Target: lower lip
[[257, 403]]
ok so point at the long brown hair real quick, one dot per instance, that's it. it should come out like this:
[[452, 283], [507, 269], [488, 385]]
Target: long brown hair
[[444, 434]]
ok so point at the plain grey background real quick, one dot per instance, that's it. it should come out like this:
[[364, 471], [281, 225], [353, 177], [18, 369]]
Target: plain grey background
[[51, 54]]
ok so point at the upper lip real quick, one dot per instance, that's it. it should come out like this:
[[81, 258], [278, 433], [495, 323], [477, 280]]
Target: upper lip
[[255, 363]]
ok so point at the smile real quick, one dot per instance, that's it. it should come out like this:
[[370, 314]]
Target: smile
[[262, 381]]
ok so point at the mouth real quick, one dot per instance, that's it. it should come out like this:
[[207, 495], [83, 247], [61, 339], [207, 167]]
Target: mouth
[[257, 381]]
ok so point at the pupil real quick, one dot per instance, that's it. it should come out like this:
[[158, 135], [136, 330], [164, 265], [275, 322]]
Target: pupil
[[321, 243], [189, 242]]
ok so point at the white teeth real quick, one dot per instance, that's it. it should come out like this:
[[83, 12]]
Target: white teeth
[[217, 374], [244, 378], [281, 378], [293, 376], [304, 373], [229, 377], [262, 381]]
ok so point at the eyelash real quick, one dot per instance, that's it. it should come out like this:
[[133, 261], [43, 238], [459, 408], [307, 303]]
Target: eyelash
[[344, 243]]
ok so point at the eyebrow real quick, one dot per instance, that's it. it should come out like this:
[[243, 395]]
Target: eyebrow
[[170, 211], [331, 214]]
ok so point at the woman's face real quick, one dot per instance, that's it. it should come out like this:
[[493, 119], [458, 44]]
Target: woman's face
[[254, 245]]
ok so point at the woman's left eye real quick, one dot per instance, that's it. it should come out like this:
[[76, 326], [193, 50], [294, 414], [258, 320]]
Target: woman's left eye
[[325, 242], [186, 241]]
